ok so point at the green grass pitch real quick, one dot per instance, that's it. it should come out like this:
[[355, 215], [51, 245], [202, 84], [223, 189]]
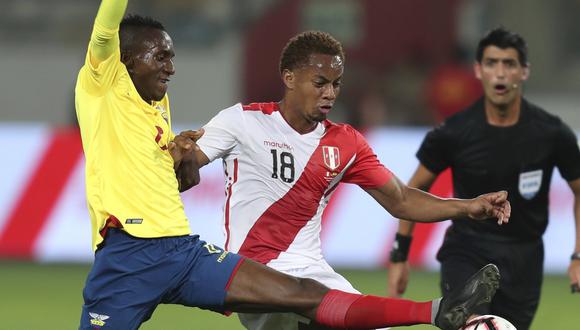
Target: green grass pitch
[[34, 296]]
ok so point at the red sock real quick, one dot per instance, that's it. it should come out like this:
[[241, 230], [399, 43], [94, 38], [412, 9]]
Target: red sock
[[346, 310]]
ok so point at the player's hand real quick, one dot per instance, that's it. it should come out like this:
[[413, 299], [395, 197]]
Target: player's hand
[[574, 274], [194, 135], [492, 205], [182, 148], [397, 278]]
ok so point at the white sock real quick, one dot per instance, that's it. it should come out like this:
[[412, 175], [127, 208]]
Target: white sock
[[435, 309]]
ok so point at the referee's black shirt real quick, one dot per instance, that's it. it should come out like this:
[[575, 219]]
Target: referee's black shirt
[[519, 158]]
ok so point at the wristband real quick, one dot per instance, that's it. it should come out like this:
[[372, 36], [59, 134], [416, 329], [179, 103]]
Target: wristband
[[401, 247], [575, 256]]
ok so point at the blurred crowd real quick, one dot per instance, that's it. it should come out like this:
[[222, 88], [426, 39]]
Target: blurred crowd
[[408, 62]]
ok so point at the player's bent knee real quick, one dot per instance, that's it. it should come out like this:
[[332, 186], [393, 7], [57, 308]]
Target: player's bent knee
[[257, 288]]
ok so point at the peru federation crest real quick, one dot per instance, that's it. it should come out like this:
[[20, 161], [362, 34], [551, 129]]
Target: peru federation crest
[[331, 156]]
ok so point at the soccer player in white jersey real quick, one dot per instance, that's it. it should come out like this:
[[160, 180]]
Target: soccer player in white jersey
[[284, 160]]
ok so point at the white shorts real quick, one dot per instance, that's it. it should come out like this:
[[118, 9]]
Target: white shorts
[[323, 273]]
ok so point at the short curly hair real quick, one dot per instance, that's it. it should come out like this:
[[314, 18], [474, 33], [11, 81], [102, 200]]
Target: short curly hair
[[297, 51], [132, 25]]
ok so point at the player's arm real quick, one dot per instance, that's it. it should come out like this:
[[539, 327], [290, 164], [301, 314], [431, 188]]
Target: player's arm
[[408, 202], [398, 275], [105, 35], [567, 156], [201, 158], [188, 158], [416, 205], [183, 150], [220, 135], [187, 173], [422, 179], [574, 269]]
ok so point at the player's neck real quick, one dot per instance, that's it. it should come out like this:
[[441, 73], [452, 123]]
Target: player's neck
[[294, 118], [503, 115]]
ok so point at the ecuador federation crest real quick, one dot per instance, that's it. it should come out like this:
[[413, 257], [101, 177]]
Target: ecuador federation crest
[[98, 320], [331, 156]]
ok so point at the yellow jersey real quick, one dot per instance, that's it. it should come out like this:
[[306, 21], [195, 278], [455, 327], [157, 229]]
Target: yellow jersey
[[129, 171]]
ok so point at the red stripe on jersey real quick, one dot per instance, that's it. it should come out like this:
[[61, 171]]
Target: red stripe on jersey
[[330, 209], [278, 226], [33, 208], [266, 108], [227, 211]]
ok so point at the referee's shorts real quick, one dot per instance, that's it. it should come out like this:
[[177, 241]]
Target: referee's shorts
[[520, 265]]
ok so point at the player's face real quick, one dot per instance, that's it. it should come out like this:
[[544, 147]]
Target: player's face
[[501, 75], [151, 64], [318, 85]]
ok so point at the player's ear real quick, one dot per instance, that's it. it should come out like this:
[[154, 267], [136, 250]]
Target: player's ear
[[477, 69], [289, 78], [127, 59]]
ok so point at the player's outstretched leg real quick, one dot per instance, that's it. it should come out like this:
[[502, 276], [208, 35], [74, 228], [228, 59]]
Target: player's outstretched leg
[[459, 304], [257, 288]]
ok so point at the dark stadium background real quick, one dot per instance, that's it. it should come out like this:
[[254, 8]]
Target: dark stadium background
[[408, 66]]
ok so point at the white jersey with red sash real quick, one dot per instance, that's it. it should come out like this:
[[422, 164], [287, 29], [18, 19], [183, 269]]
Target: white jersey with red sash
[[279, 181]]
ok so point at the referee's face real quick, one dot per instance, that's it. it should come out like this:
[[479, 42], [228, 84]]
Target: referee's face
[[501, 75], [150, 64]]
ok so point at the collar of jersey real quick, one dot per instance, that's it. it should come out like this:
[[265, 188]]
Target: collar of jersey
[[291, 130]]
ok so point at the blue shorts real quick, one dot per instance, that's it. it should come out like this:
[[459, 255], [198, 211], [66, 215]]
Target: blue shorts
[[131, 276]]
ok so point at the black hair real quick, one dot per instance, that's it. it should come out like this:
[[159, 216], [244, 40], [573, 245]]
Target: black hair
[[503, 38], [132, 25], [297, 51]]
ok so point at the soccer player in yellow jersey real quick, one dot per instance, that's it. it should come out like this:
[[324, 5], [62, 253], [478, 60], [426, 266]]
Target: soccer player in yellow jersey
[[145, 254]]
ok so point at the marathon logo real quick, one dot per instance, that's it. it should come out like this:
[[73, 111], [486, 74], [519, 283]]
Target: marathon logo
[[279, 145]]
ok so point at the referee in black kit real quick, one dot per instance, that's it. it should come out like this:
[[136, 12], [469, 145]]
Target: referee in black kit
[[502, 142]]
